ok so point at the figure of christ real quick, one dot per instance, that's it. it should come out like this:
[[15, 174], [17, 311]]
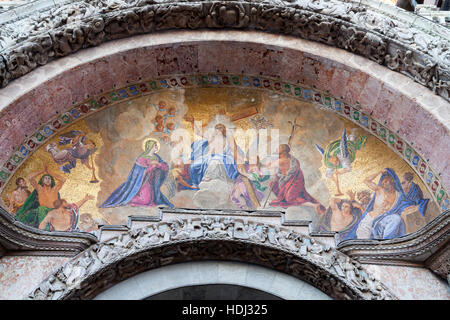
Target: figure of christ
[[214, 157], [64, 216], [288, 184], [17, 198], [216, 163], [382, 218], [41, 200]]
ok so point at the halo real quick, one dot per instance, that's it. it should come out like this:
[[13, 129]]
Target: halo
[[158, 144]]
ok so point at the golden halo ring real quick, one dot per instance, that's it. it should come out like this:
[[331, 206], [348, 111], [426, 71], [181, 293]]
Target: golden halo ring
[[158, 144]]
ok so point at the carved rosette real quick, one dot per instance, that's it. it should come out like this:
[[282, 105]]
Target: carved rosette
[[210, 238], [422, 55]]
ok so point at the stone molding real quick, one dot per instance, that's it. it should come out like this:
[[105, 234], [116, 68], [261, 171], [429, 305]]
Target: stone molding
[[427, 247], [414, 47], [439, 263], [224, 212], [19, 239], [210, 238], [416, 248]]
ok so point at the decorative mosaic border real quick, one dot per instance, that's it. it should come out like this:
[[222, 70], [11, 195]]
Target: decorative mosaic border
[[350, 112]]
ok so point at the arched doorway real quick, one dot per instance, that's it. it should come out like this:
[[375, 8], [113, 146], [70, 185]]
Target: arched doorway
[[213, 292], [212, 280], [183, 240]]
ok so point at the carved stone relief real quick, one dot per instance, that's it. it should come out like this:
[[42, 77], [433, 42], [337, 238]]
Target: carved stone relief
[[112, 261], [420, 54]]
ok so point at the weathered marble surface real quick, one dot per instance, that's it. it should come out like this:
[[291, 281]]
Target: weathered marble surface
[[411, 283], [19, 275]]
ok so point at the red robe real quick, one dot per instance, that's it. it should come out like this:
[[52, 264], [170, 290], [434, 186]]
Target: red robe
[[290, 188]]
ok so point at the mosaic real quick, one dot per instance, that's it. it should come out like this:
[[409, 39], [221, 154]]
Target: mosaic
[[250, 143]]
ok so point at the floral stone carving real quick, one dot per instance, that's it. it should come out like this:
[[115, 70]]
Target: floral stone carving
[[164, 243], [422, 55]]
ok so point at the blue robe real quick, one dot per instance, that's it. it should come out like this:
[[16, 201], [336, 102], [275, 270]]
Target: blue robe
[[389, 224], [137, 177], [415, 194], [201, 160]]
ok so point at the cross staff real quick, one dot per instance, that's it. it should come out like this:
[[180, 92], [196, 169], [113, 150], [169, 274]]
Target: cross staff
[[294, 125]]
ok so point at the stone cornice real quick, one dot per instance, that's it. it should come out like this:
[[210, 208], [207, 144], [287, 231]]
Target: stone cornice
[[402, 42], [427, 247], [210, 238], [439, 263], [19, 239], [2, 250], [416, 247]]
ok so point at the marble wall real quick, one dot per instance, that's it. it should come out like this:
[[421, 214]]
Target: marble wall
[[411, 283], [20, 274]]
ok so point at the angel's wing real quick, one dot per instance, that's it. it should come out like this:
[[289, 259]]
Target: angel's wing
[[320, 149], [68, 137]]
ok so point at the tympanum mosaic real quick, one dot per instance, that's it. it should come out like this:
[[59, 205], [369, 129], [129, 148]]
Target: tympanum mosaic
[[226, 148]]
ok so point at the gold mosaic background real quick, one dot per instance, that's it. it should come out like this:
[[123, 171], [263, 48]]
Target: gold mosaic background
[[120, 130]]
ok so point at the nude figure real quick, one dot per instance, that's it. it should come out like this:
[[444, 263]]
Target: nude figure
[[17, 197], [65, 216], [386, 194], [386, 197]]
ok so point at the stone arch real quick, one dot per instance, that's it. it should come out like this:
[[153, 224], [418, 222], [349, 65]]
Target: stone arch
[[205, 273], [210, 238], [387, 35]]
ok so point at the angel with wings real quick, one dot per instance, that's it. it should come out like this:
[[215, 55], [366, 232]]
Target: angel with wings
[[339, 155], [81, 147]]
